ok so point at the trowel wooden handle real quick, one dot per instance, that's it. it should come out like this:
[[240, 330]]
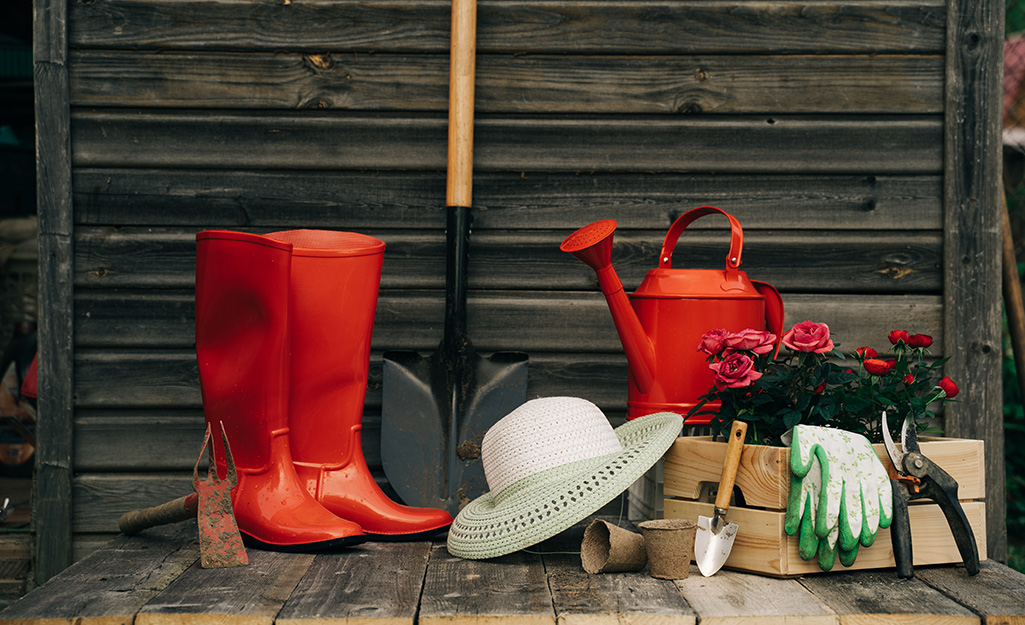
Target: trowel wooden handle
[[729, 468], [181, 509]]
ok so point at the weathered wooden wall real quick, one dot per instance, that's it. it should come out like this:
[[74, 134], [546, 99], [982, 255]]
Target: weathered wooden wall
[[822, 126]]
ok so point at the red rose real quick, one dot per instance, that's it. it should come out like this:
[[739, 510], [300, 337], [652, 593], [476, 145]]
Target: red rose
[[820, 388], [736, 370], [878, 367], [896, 336], [919, 340], [808, 336], [908, 379], [712, 342], [757, 341], [866, 352], [949, 387]]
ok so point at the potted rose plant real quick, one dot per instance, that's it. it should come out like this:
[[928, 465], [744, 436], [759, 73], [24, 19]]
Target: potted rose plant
[[811, 382]]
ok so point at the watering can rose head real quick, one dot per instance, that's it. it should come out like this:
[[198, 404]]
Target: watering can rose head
[[809, 382]]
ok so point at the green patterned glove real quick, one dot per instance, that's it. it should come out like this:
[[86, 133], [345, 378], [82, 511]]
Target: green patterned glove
[[840, 494]]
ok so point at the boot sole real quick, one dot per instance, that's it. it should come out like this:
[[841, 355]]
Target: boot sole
[[398, 538], [315, 547]]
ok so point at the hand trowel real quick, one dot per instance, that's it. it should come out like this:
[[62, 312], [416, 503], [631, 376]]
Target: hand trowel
[[715, 536]]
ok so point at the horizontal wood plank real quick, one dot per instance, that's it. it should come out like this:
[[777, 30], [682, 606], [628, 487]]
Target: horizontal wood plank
[[332, 140], [571, 322], [860, 597], [731, 598], [388, 200], [538, 26], [996, 593], [793, 261], [109, 587], [510, 84]]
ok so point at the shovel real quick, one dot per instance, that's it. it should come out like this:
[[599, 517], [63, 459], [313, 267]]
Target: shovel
[[436, 409], [715, 536], [220, 544]]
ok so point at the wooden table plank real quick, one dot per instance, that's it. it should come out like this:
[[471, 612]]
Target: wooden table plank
[[997, 593], [373, 584], [109, 586], [510, 590], [729, 598], [866, 597], [246, 595], [633, 598]]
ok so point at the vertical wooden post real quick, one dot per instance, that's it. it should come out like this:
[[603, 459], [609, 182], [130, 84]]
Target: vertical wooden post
[[51, 498], [971, 243]]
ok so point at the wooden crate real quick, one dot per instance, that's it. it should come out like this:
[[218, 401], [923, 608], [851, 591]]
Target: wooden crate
[[692, 467]]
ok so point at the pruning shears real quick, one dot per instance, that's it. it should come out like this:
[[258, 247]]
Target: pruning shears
[[916, 477]]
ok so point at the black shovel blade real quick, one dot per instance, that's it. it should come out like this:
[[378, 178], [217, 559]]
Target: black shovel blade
[[434, 414]]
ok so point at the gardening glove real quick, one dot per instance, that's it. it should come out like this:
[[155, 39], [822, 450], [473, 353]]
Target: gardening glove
[[840, 494]]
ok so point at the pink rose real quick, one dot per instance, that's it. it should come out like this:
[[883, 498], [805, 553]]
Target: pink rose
[[808, 336], [712, 342], [736, 370], [757, 341]]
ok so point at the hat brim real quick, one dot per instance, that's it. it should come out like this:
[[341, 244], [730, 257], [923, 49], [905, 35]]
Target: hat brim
[[540, 506]]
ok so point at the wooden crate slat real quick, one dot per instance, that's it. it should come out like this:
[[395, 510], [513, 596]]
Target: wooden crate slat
[[516, 26], [794, 261], [319, 140], [511, 84], [510, 201]]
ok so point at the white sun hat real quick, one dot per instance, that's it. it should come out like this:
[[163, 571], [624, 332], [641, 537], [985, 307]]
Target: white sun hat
[[549, 464]]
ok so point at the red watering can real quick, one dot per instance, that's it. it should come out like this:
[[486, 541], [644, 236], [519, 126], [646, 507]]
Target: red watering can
[[662, 323]]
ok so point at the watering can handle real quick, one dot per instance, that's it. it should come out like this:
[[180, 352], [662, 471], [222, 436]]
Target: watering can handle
[[665, 259]]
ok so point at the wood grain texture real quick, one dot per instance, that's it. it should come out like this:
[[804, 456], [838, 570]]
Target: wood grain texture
[[612, 599], [730, 598], [372, 584], [352, 200], [995, 594], [51, 506], [972, 245], [511, 84], [793, 261], [862, 26], [247, 595], [327, 140], [119, 580], [510, 589], [867, 597]]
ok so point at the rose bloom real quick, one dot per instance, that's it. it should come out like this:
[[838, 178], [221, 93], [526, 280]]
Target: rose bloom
[[896, 336], [949, 387], [757, 341], [866, 352], [736, 370], [808, 336], [712, 341], [908, 379], [876, 366], [919, 340]]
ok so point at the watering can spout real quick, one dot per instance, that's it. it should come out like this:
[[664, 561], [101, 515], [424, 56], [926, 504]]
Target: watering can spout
[[592, 244]]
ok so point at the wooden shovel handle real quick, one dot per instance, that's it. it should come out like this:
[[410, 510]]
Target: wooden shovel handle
[[180, 509], [459, 189], [729, 468]]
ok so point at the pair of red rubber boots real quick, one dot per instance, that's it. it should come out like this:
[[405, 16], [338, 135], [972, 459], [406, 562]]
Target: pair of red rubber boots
[[283, 326]]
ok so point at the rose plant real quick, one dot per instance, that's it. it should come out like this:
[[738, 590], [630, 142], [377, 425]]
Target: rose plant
[[810, 381]]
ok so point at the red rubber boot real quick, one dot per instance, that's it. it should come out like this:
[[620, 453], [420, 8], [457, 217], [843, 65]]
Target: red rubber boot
[[335, 279], [242, 332]]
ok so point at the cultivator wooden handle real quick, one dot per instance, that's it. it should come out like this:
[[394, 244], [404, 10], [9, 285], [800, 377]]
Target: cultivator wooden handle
[[181, 509]]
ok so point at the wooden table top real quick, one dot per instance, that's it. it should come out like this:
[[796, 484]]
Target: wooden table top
[[155, 579]]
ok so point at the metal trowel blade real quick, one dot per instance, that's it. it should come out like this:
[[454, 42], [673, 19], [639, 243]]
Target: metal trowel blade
[[711, 547]]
